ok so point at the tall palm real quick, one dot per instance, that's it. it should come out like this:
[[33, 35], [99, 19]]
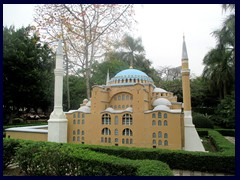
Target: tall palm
[[131, 49], [219, 71]]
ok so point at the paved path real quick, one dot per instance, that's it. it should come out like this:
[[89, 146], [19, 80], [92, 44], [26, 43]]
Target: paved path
[[178, 172], [231, 139]]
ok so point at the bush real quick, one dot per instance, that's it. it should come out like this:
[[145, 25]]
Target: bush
[[9, 151], [226, 132], [201, 121], [54, 159]]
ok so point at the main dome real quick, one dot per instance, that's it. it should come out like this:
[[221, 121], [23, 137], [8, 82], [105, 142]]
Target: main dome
[[130, 76]]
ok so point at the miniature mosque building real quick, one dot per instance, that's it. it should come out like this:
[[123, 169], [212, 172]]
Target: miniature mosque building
[[128, 111]]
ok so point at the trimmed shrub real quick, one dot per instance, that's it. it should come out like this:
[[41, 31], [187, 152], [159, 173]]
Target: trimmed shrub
[[9, 151], [201, 121], [226, 132], [202, 132], [54, 159]]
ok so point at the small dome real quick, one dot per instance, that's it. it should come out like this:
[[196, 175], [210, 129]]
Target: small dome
[[161, 108], [156, 90], [84, 109], [88, 104], [161, 101]]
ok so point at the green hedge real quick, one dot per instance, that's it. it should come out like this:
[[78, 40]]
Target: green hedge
[[55, 159], [221, 143], [226, 132], [202, 121], [9, 151]]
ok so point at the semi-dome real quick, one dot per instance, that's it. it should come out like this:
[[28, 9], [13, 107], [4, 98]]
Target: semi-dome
[[161, 108], [84, 109], [157, 90], [161, 101], [131, 76]]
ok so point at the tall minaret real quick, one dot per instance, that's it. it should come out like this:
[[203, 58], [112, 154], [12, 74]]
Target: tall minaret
[[107, 80], [57, 124], [192, 139]]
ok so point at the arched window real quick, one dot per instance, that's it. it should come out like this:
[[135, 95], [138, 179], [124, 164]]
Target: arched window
[[165, 143], [159, 122], [154, 123], [159, 115], [159, 142], [106, 119], [116, 120], [106, 131], [74, 138], [116, 140], [123, 106], [127, 97], [165, 123], [154, 135], [74, 121], [119, 106], [83, 121], [74, 115], [127, 132], [123, 97], [78, 131], [82, 132], [154, 141], [105, 139], [78, 121], [78, 138], [153, 115], [82, 138], [165, 135], [78, 114], [116, 132], [127, 141], [119, 97], [109, 140], [123, 141], [165, 115], [74, 132], [159, 134], [127, 119]]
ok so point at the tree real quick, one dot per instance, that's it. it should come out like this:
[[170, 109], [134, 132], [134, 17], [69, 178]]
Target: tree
[[88, 29], [28, 71]]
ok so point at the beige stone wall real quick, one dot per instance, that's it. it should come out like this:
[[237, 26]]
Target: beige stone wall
[[27, 135]]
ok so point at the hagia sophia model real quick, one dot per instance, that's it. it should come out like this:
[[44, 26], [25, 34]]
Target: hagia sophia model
[[128, 111]]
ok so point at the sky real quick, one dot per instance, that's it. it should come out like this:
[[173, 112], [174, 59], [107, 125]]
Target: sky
[[161, 27]]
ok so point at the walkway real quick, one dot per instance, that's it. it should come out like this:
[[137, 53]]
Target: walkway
[[178, 172]]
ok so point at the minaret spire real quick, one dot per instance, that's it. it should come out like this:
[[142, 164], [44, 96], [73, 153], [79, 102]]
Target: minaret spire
[[192, 139], [107, 81], [57, 124]]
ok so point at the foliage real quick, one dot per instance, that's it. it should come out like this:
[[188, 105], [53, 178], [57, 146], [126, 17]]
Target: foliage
[[9, 151], [201, 121], [225, 112], [226, 132], [28, 72], [222, 161], [221, 143], [73, 160]]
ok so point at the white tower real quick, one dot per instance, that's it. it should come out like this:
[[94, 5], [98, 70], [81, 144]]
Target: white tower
[[57, 124], [192, 139]]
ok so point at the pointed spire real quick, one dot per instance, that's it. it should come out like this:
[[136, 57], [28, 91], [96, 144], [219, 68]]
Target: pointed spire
[[107, 81], [184, 50], [59, 48]]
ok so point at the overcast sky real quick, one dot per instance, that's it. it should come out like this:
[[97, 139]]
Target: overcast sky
[[161, 27]]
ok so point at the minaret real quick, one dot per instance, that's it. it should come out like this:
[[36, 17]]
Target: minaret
[[57, 124], [107, 80], [192, 139]]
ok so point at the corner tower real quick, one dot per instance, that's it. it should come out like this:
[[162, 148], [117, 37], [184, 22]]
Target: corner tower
[[192, 139], [57, 124]]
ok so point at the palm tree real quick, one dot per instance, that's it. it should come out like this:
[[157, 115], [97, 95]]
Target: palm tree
[[131, 49]]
